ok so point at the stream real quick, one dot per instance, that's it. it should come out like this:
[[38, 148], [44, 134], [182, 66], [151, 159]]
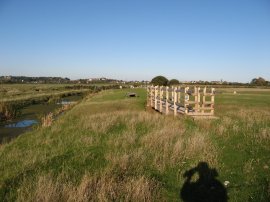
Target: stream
[[30, 117]]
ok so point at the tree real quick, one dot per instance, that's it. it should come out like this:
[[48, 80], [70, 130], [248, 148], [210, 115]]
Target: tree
[[259, 81], [173, 82], [159, 81]]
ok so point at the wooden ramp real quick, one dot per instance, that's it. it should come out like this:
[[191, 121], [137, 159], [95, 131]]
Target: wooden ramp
[[192, 101]]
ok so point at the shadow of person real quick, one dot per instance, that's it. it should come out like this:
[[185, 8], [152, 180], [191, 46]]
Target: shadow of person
[[205, 189]]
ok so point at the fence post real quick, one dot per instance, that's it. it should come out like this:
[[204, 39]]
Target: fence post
[[167, 97], [160, 98], [186, 100], [174, 101], [152, 96], [148, 96], [203, 102], [155, 98], [196, 98], [172, 94], [199, 100], [178, 94], [212, 100]]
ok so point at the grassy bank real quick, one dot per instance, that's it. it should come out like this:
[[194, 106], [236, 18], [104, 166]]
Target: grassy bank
[[17, 92], [13, 97], [109, 147], [38, 92]]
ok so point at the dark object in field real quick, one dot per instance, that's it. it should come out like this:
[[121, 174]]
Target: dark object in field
[[131, 95], [189, 92], [190, 108], [206, 189]]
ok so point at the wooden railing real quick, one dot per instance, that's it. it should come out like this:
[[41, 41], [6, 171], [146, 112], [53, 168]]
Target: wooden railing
[[193, 101]]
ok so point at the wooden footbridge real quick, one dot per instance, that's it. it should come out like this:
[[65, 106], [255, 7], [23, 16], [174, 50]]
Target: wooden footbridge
[[192, 101]]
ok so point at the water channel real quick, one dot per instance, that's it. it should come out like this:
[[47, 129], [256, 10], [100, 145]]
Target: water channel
[[30, 117]]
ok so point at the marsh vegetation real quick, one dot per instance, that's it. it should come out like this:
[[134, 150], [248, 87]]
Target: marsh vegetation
[[22, 106], [111, 148]]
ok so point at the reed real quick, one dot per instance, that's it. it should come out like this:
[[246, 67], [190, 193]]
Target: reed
[[8, 111], [47, 120]]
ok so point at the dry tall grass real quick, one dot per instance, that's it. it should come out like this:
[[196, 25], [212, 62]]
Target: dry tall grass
[[105, 187], [47, 120], [8, 111], [149, 138], [134, 140]]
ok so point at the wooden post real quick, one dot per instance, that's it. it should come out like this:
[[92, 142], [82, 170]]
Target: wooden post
[[167, 103], [160, 98], [178, 94], [155, 97], [174, 101], [148, 96], [203, 102], [186, 100], [212, 100], [199, 99], [152, 96], [172, 94], [196, 98]]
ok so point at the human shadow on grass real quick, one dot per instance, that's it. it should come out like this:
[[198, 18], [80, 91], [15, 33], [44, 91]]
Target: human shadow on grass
[[206, 188]]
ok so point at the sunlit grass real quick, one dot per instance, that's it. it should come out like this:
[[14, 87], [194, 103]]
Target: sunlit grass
[[109, 148], [21, 92]]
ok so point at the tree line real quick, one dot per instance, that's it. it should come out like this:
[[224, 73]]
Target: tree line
[[26, 79], [163, 81], [260, 82]]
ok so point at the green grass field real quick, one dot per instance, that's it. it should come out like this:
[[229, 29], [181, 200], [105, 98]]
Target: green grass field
[[111, 148], [21, 92]]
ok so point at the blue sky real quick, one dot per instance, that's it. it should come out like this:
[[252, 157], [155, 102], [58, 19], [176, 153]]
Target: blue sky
[[136, 39]]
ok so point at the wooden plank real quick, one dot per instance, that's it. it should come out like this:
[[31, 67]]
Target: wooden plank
[[205, 107], [199, 114], [191, 102], [208, 102]]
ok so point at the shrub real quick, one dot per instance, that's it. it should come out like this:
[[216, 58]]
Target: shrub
[[173, 82], [159, 81]]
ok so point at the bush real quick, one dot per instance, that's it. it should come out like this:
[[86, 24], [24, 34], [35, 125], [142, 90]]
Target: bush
[[259, 81], [173, 82], [159, 81]]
